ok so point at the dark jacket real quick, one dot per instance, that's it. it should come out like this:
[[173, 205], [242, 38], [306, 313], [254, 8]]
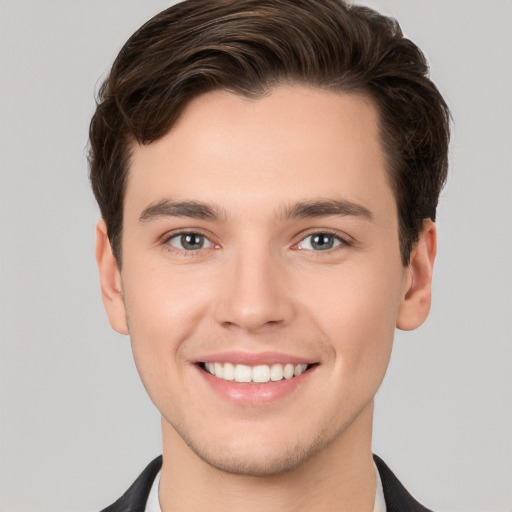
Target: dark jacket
[[396, 496]]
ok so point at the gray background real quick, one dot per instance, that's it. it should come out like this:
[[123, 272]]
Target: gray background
[[76, 425]]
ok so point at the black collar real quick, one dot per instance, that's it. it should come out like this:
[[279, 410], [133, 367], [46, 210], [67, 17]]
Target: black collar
[[396, 495]]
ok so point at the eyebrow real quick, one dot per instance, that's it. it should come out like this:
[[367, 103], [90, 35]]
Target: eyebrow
[[192, 209], [326, 207], [300, 210]]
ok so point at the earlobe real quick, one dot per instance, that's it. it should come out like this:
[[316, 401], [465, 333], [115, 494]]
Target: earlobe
[[110, 280], [416, 295]]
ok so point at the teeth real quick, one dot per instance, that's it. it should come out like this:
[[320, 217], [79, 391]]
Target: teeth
[[242, 373], [276, 372], [300, 368], [288, 371], [261, 373], [228, 372]]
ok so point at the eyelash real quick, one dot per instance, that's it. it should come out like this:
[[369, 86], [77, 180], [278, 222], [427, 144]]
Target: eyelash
[[342, 242], [190, 252]]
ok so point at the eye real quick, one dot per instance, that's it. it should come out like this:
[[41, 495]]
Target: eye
[[320, 242], [189, 241]]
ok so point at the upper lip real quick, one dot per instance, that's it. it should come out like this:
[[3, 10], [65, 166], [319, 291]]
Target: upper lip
[[253, 359]]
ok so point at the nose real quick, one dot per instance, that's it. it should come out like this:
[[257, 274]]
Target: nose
[[254, 293]]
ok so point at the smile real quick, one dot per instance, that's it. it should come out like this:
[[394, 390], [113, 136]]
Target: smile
[[261, 373]]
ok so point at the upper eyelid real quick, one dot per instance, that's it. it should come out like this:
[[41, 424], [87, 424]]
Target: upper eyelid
[[165, 239], [345, 243], [344, 238], [185, 231]]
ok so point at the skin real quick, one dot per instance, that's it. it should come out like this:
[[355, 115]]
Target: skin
[[258, 285]]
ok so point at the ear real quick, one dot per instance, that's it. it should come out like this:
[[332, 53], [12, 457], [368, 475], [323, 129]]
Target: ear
[[417, 290], [110, 280]]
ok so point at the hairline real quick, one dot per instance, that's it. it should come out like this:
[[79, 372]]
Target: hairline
[[390, 157]]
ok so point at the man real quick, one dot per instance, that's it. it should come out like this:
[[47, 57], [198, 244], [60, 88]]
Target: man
[[268, 174]]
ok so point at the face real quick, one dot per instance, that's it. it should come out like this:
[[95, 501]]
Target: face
[[262, 280]]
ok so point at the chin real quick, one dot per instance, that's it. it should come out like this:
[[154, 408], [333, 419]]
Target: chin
[[258, 458]]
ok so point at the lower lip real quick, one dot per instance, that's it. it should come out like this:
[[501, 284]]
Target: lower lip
[[255, 394]]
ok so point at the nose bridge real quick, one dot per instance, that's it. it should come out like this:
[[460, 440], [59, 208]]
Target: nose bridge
[[255, 294]]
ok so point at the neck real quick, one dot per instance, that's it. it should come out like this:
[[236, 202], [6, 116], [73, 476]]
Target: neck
[[339, 478]]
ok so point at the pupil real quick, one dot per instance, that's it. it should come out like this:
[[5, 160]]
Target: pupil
[[192, 241], [322, 242]]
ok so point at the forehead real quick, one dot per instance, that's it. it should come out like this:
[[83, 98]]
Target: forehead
[[292, 144]]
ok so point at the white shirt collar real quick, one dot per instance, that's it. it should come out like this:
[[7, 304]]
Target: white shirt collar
[[153, 504], [380, 502]]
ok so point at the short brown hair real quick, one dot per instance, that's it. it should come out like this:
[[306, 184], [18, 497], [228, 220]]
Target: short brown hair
[[248, 46]]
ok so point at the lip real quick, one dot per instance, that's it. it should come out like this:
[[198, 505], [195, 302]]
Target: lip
[[254, 394], [253, 359]]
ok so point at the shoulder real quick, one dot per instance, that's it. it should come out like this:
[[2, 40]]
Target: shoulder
[[134, 499], [398, 499]]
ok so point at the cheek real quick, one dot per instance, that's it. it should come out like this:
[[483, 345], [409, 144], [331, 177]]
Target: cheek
[[357, 312], [162, 312], [161, 301], [160, 318]]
